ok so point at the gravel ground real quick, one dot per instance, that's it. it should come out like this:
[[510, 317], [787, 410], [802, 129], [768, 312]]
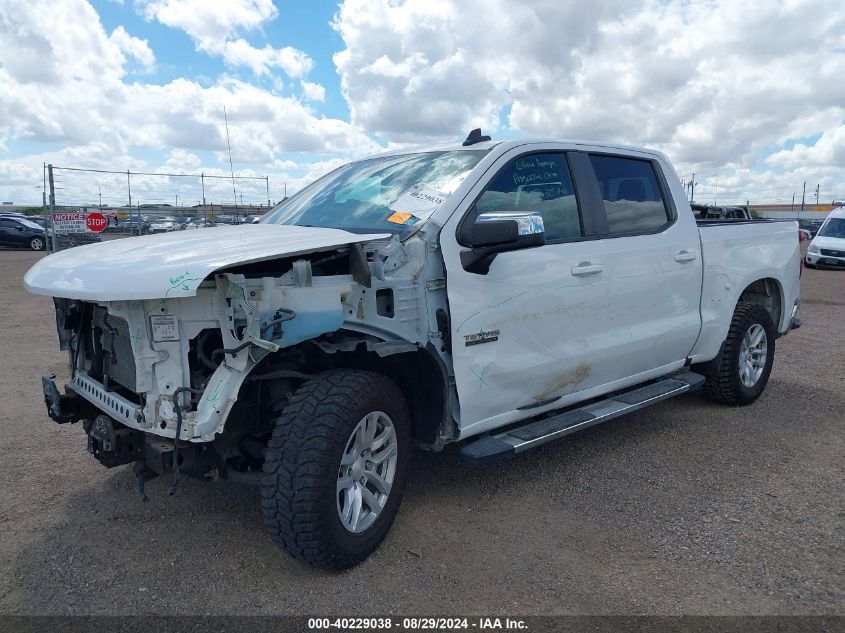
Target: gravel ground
[[684, 508]]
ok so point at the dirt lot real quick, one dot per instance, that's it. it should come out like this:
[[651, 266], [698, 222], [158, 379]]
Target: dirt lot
[[687, 507]]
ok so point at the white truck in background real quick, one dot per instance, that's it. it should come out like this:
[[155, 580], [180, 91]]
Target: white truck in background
[[497, 294]]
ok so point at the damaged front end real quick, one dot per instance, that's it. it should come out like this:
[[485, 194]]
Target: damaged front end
[[144, 372]]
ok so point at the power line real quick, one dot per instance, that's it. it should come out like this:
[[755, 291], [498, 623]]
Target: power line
[[151, 173]]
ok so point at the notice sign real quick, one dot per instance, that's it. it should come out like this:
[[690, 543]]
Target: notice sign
[[73, 222]]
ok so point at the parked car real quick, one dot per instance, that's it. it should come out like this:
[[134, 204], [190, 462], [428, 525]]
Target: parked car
[[163, 225], [23, 233], [428, 295], [812, 226], [196, 223], [828, 246], [708, 212]]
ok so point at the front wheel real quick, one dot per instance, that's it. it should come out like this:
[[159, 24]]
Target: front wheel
[[335, 467], [36, 244], [746, 359]]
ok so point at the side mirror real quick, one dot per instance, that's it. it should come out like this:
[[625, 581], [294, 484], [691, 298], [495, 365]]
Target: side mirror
[[499, 232], [507, 231]]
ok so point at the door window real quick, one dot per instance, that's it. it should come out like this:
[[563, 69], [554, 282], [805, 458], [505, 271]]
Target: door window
[[633, 201], [540, 183]]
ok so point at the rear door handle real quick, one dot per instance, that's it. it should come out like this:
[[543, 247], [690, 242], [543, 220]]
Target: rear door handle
[[685, 256], [586, 268]]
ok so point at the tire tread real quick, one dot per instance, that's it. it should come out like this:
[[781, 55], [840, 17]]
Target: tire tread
[[723, 385], [299, 456]]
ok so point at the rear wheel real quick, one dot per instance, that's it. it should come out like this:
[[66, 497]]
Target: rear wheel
[[335, 467], [36, 244], [747, 357]]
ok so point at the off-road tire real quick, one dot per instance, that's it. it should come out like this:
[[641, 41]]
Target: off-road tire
[[299, 485], [724, 384]]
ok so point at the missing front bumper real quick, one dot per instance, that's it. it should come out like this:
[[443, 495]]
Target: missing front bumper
[[62, 408]]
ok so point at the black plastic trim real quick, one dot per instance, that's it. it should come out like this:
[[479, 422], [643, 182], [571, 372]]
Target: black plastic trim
[[487, 449]]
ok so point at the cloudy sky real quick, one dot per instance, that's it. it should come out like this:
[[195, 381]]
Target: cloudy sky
[[750, 96]]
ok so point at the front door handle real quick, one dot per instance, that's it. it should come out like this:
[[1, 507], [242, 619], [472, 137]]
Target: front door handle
[[685, 256], [586, 268]]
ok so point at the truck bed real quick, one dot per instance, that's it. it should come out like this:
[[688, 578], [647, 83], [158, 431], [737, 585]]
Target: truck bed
[[736, 253]]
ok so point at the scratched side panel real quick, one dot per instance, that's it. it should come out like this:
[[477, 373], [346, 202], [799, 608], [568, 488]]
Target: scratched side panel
[[547, 327]]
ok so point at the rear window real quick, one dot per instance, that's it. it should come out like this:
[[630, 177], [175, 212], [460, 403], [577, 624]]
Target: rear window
[[633, 202]]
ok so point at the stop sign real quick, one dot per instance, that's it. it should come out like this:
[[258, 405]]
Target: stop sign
[[96, 222]]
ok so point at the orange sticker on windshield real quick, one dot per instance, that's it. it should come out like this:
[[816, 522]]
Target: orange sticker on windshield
[[399, 217]]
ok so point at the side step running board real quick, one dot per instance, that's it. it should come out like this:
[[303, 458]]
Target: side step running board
[[491, 448]]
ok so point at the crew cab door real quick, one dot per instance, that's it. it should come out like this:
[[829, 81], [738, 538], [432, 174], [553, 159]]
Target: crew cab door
[[611, 299]]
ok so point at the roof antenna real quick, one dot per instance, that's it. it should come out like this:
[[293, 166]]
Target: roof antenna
[[475, 137], [231, 169]]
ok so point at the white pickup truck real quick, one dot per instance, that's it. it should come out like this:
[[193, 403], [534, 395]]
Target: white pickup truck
[[497, 294]]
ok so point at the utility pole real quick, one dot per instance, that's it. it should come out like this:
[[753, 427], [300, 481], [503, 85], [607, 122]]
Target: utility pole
[[792, 208], [715, 191], [267, 183], [817, 195], [692, 188], [177, 199], [100, 193], [803, 194], [202, 181], [52, 200], [44, 195]]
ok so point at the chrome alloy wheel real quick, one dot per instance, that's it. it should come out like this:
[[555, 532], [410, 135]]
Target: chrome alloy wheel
[[752, 355], [367, 469]]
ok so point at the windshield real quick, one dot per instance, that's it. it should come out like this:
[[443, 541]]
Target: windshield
[[387, 194], [30, 224], [834, 227]]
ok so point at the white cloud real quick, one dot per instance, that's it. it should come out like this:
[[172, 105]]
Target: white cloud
[[313, 92], [712, 83], [78, 96], [210, 22], [828, 150], [748, 95], [213, 25], [261, 61], [134, 47]]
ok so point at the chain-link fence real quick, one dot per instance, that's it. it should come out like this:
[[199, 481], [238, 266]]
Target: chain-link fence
[[83, 206]]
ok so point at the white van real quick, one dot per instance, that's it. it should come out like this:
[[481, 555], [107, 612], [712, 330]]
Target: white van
[[828, 246]]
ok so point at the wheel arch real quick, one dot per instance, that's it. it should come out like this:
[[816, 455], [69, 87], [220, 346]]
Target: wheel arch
[[768, 293], [418, 372]]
